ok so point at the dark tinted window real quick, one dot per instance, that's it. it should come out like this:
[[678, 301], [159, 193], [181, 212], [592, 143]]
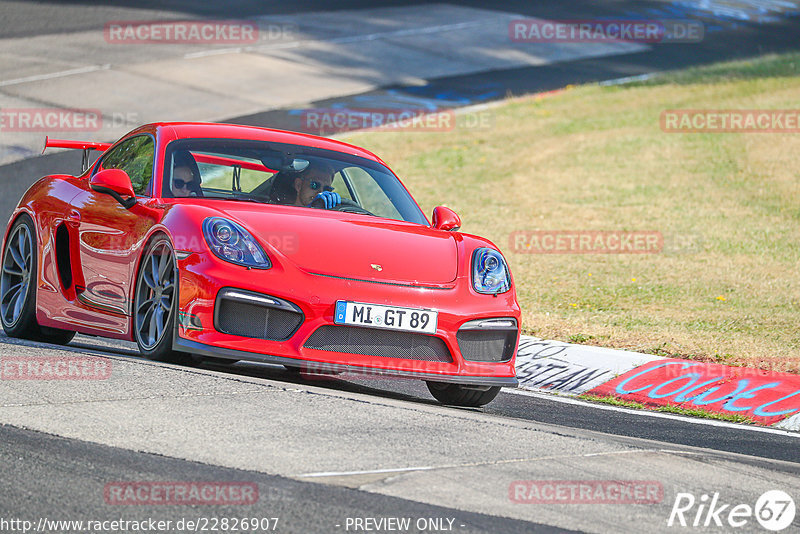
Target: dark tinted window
[[134, 156]]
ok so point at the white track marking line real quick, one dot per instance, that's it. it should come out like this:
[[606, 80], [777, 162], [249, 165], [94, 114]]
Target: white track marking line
[[217, 52], [628, 79], [325, 474], [51, 75], [647, 413], [368, 472]]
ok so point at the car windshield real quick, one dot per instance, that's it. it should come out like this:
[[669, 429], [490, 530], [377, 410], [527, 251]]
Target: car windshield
[[278, 173]]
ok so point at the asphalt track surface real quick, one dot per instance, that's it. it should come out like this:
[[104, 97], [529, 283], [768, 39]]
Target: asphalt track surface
[[779, 445], [58, 478], [52, 475], [29, 18], [60, 473]]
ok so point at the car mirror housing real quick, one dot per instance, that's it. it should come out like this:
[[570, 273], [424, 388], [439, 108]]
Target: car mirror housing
[[117, 183], [446, 219]]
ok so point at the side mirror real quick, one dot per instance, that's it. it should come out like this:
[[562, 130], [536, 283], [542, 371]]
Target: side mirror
[[117, 183], [446, 219]]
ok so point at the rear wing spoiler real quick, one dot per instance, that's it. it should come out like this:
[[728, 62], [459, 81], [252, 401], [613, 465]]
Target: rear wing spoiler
[[86, 146]]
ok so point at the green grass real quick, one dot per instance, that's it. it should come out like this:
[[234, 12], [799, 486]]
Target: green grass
[[692, 412], [771, 66], [613, 401], [733, 418], [580, 338], [726, 286]]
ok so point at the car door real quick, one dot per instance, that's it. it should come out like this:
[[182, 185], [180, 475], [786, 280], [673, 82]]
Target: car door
[[110, 234]]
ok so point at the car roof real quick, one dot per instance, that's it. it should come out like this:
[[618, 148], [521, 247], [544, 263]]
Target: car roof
[[194, 130]]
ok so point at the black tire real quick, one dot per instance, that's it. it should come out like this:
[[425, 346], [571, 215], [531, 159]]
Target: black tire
[[155, 296], [458, 395], [18, 278], [54, 335]]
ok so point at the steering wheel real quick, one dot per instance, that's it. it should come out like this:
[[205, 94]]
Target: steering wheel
[[347, 206]]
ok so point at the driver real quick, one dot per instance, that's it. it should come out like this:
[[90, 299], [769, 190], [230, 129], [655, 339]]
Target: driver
[[301, 188], [315, 183]]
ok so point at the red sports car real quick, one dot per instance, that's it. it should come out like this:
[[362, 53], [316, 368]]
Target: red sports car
[[240, 243]]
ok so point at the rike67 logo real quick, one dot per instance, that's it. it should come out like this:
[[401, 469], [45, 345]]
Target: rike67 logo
[[774, 510]]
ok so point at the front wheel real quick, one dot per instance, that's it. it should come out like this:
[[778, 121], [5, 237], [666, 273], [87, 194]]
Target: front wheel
[[18, 287], [458, 395], [155, 302]]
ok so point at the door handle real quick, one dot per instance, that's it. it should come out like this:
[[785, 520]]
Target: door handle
[[74, 215]]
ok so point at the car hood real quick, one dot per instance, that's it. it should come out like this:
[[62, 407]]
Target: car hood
[[355, 246]]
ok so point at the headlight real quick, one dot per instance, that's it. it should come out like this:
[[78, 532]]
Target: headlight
[[489, 272], [230, 242]]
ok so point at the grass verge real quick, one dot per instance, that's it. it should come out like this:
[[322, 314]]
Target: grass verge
[[692, 412], [725, 288], [613, 401]]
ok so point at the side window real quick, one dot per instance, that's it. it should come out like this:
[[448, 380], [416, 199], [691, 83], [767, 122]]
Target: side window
[[134, 156]]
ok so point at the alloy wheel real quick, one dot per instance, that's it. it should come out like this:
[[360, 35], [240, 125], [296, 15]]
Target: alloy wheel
[[16, 275], [155, 295]]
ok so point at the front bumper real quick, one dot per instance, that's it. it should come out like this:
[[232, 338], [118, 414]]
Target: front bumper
[[202, 277], [322, 368]]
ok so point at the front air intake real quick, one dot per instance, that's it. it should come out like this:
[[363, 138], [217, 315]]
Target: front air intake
[[381, 343], [249, 314], [488, 340]]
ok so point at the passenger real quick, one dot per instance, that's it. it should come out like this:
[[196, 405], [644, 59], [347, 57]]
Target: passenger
[[186, 178]]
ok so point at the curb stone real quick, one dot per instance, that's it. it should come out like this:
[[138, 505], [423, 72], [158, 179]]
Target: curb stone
[[769, 398]]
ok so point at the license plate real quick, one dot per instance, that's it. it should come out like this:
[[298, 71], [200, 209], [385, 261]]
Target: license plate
[[388, 317]]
